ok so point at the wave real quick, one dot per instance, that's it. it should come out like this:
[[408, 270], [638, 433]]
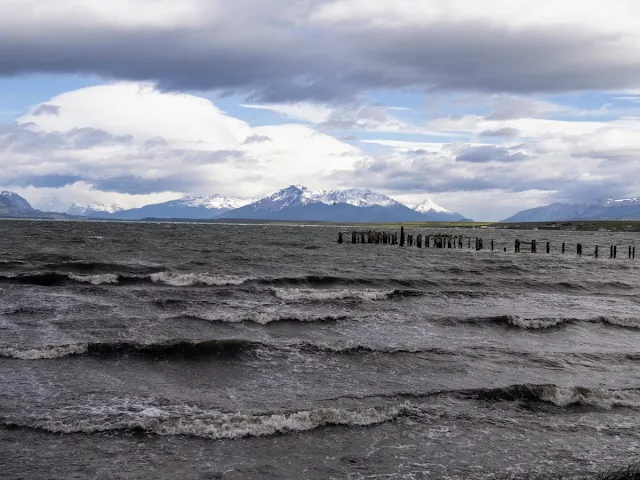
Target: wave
[[542, 323], [301, 294], [559, 396], [192, 279], [168, 349], [51, 279], [193, 421], [210, 424], [263, 318]]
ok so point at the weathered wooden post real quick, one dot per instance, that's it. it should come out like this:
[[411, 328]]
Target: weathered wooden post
[[562, 247], [340, 239], [402, 236], [548, 247], [596, 251]]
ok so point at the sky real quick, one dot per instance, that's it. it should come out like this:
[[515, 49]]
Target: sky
[[488, 108]]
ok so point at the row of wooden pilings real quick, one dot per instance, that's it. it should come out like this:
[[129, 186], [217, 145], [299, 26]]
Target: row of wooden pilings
[[457, 241]]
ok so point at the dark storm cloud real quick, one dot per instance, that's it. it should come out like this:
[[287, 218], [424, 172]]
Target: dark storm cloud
[[257, 139], [490, 153], [506, 132], [272, 58], [21, 139], [136, 185], [47, 110]]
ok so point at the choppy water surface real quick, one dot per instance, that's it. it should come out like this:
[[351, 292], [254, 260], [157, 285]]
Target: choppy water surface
[[221, 351]]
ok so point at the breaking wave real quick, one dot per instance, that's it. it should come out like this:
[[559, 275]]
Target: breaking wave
[[168, 349], [543, 323], [302, 294], [264, 318], [197, 422], [560, 396]]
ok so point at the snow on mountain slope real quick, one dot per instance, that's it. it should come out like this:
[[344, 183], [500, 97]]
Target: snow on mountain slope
[[299, 194], [297, 202], [217, 202], [356, 197]]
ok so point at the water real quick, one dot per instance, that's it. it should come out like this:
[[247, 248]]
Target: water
[[163, 351]]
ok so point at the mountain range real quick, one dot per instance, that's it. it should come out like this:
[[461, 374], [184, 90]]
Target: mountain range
[[621, 209], [294, 203]]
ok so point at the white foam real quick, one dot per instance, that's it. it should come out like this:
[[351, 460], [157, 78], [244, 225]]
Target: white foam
[[44, 352], [298, 294], [213, 424], [536, 323], [599, 398], [95, 279], [190, 279]]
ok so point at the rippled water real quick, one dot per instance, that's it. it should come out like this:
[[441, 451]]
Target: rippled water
[[132, 350]]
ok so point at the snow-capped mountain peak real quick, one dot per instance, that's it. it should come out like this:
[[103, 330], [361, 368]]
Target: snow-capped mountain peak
[[353, 196], [356, 197], [15, 200], [77, 209], [430, 206]]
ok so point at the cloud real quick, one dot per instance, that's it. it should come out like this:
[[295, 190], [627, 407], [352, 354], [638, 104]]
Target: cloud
[[135, 140], [326, 50]]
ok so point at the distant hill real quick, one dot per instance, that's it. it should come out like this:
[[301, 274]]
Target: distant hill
[[202, 208], [622, 209]]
